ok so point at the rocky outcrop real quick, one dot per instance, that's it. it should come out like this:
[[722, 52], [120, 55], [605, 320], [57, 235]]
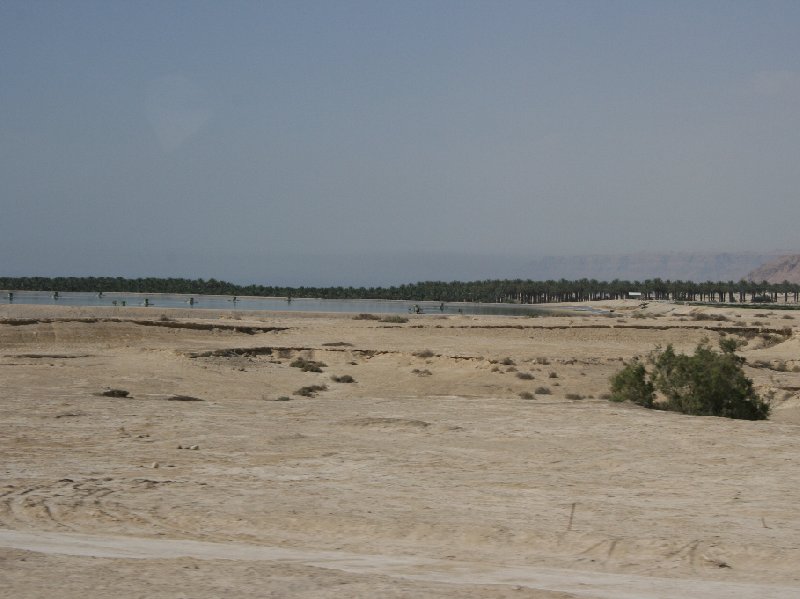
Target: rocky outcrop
[[786, 268]]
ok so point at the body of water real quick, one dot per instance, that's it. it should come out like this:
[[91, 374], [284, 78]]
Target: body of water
[[220, 302]]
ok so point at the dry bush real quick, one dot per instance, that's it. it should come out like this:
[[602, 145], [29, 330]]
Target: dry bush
[[525, 376], [311, 390], [425, 353], [527, 395], [542, 390], [308, 365], [395, 319]]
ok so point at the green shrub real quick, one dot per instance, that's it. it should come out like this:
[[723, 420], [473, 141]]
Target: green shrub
[[630, 384], [707, 383]]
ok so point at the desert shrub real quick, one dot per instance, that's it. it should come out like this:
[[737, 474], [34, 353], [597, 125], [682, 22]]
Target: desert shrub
[[395, 319], [366, 317], [495, 368], [425, 353], [507, 362], [543, 390], [704, 316], [630, 384], [574, 396], [542, 361], [605, 396], [527, 395], [769, 339], [511, 369], [730, 345], [424, 372], [308, 365], [708, 383], [311, 390], [553, 374], [345, 378], [525, 376]]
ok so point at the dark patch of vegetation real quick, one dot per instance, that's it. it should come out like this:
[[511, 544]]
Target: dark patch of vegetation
[[424, 372], [283, 398], [707, 383], [115, 393], [366, 317], [525, 376], [527, 395], [574, 396], [394, 319], [553, 374], [740, 293], [543, 361], [311, 390], [308, 365], [345, 378], [183, 398], [542, 390], [425, 353], [507, 362], [337, 344], [704, 316]]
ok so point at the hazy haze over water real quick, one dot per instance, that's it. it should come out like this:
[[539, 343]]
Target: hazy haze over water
[[287, 142]]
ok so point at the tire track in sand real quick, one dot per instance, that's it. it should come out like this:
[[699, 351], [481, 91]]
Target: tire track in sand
[[596, 585]]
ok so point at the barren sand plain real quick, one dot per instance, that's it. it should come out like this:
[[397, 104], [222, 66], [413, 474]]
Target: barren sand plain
[[429, 476]]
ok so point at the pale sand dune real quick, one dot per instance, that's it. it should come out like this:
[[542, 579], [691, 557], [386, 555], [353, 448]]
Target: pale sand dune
[[429, 476]]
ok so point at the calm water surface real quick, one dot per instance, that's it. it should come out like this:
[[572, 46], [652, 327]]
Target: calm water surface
[[220, 302]]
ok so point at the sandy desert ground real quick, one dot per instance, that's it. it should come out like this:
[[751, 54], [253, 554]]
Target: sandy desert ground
[[429, 476]]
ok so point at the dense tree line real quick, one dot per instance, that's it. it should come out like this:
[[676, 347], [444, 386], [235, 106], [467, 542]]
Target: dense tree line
[[503, 291]]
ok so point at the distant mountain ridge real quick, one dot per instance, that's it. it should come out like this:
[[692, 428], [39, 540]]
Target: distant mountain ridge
[[785, 268]]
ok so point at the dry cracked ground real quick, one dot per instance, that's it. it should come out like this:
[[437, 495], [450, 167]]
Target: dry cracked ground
[[178, 453]]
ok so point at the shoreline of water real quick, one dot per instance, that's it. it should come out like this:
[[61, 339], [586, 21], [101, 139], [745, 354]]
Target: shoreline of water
[[281, 304]]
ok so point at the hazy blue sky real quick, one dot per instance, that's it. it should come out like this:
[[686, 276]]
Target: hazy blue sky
[[266, 141]]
